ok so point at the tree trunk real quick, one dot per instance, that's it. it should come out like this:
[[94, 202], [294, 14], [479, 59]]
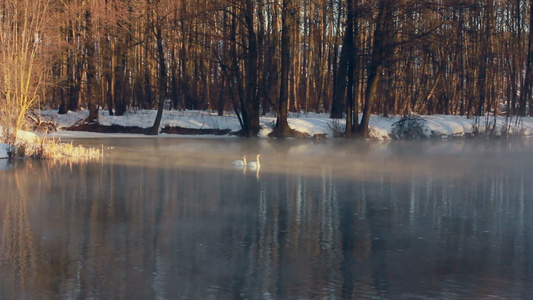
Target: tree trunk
[[482, 78], [108, 71], [90, 71], [339, 91], [250, 102], [525, 93], [162, 80], [119, 82], [282, 128], [74, 71], [345, 73], [381, 49]]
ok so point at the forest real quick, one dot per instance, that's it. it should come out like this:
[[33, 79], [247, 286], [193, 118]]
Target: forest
[[348, 58]]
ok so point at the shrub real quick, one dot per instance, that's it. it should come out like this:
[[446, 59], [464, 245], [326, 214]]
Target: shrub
[[337, 128], [409, 127]]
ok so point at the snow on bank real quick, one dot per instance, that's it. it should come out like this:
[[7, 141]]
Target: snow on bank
[[23, 137], [3, 147], [311, 123], [3, 151]]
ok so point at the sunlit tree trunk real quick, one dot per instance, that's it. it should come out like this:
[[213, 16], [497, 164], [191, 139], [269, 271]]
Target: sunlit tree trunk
[[381, 49]]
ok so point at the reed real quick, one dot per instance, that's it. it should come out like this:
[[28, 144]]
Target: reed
[[53, 149]]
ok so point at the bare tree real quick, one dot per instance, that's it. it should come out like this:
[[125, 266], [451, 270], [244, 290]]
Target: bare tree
[[24, 50], [336, 56], [157, 24], [381, 49]]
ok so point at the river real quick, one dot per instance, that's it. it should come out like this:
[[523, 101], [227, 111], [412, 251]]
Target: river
[[171, 218]]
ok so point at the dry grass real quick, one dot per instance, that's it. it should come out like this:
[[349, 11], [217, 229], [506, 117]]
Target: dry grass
[[56, 149], [53, 149]]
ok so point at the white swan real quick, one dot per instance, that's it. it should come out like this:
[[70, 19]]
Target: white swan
[[242, 162], [255, 164]]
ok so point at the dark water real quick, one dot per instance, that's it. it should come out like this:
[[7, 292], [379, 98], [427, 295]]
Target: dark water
[[171, 219]]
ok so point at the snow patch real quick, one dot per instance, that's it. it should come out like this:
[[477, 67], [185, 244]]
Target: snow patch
[[310, 123], [3, 151]]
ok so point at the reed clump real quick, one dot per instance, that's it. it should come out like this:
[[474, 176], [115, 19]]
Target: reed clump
[[43, 148], [55, 149]]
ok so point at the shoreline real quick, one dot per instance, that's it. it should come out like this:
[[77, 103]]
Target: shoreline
[[431, 126]]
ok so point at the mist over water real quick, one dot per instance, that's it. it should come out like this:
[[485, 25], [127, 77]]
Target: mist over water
[[173, 219]]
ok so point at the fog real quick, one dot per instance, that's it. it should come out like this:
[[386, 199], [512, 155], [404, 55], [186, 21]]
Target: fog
[[173, 218], [350, 159]]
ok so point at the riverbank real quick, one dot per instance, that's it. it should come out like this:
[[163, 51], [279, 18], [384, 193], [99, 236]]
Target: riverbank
[[312, 124]]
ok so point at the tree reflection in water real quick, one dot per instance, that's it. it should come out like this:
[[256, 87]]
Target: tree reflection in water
[[440, 228]]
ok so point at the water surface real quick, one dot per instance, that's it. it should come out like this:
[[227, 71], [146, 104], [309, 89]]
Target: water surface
[[172, 219]]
